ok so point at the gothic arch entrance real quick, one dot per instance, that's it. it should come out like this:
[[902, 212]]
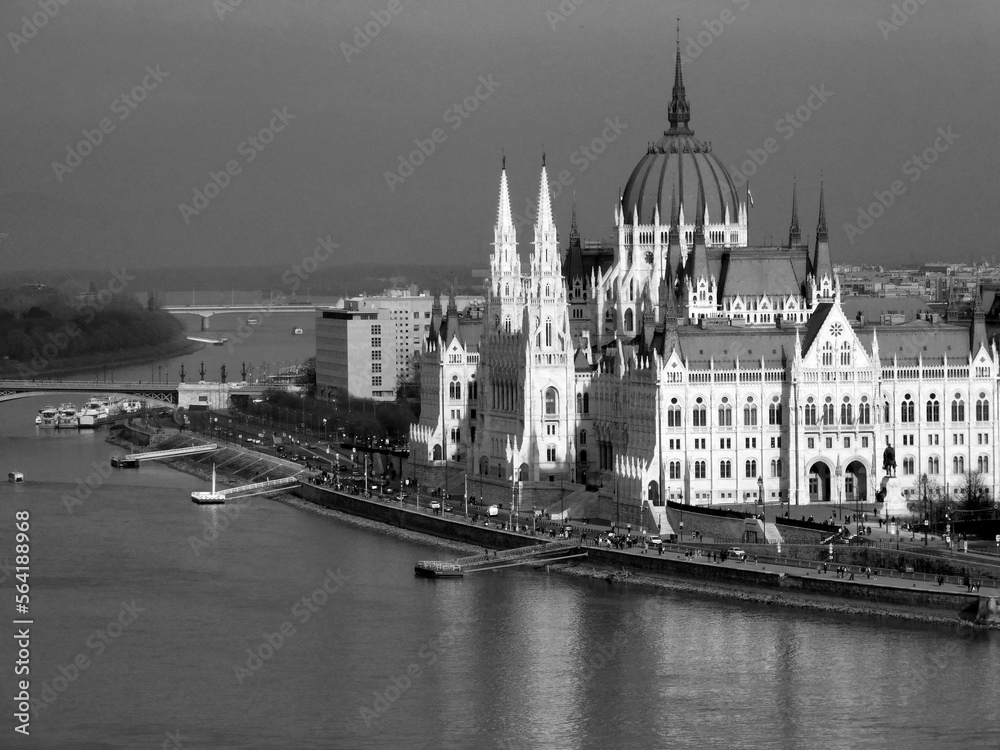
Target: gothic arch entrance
[[856, 482], [819, 483], [653, 493]]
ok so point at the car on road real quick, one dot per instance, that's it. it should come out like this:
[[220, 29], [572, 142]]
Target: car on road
[[737, 552], [435, 506], [655, 541]]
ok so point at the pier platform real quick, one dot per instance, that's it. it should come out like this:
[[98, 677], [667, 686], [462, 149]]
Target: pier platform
[[564, 549]]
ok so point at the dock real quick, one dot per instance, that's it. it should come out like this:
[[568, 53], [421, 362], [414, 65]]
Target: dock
[[564, 549], [219, 497], [132, 459]]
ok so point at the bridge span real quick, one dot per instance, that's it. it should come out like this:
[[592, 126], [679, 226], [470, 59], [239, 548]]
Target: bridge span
[[264, 309], [162, 393]]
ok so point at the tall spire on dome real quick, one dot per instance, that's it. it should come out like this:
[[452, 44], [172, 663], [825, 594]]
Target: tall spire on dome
[[679, 111], [822, 264], [794, 233], [574, 230]]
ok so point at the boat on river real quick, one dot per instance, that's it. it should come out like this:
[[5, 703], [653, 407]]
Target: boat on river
[[69, 417], [93, 411], [16, 477], [47, 417]]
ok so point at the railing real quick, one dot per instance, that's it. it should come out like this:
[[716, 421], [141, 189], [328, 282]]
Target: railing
[[518, 552], [281, 482]]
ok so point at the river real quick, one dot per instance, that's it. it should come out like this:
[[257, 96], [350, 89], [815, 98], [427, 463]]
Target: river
[[282, 627]]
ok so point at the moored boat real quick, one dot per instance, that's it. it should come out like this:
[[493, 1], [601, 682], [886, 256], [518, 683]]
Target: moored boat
[[297, 331], [92, 412], [68, 417], [252, 321], [47, 417], [16, 477]]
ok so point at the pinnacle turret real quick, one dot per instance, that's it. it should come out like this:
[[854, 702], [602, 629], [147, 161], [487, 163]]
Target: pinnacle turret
[[679, 111], [794, 233]]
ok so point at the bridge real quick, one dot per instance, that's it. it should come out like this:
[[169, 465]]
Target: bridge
[[264, 309], [161, 393], [218, 497]]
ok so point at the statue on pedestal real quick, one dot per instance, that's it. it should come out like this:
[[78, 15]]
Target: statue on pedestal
[[889, 459]]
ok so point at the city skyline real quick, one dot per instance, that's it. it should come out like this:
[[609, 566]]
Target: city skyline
[[308, 120]]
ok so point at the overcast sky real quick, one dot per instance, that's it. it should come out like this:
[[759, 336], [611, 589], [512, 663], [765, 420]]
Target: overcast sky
[[210, 76]]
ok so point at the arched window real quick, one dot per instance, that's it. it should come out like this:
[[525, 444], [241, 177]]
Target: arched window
[[810, 411], [455, 390], [933, 465], [699, 469], [846, 411], [484, 466], [776, 467], [845, 354], [548, 332], [958, 465], [933, 409], [628, 321], [907, 411], [550, 453], [751, 468], [675, 469], [700, 414], [674, 414], [886, 413], [583, 437], [984, 464], [506, 324], [774, 412], [579, 403], [586, 403], [827, 353], [551, 401], [456, 435], [725, 470], [983, 408], [750, 413], [958, 408], [725, 413], [436, 453], [829, 417], [864, 411]]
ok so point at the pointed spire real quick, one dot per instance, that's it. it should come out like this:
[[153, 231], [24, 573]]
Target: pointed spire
[[794, 233], [978, 331], [505, 218], [821, 231], [679, 111], [544, 200], [574, 230]]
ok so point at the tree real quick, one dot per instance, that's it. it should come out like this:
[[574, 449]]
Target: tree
[[973, 491]]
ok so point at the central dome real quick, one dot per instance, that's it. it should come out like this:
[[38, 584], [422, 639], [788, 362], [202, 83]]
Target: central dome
[[680, 164]]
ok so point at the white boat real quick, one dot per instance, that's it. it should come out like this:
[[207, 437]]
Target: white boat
[[297, 331], [131, 405], [69, 418], [48, 417], [252, 321], [16, 477], [93, 411]]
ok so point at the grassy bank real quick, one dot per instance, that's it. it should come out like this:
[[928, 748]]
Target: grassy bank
[[60, 368]]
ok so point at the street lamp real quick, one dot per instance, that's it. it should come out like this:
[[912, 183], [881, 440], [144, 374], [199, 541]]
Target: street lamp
[[923, 480], [760, 499], [326, 434], [839, 471]]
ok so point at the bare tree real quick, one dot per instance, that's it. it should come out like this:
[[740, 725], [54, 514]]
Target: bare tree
[[973, 491]]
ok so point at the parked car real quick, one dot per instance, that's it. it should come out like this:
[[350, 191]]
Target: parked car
[[737, 552], [655, 541], [435, 506]]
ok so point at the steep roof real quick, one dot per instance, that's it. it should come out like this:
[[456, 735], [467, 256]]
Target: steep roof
[[762, 271]]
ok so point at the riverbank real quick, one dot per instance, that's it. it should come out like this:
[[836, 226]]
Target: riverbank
[[770, 584], [100, 364]]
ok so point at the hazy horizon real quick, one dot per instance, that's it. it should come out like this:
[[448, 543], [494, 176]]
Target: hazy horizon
[[526, 77]]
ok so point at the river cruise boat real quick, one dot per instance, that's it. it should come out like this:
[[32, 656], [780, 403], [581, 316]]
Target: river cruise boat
[[47, 417], [131, 405], [297, 331], [16, 477], [69, 417]]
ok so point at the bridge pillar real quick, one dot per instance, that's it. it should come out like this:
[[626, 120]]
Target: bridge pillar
[[204, 322]]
